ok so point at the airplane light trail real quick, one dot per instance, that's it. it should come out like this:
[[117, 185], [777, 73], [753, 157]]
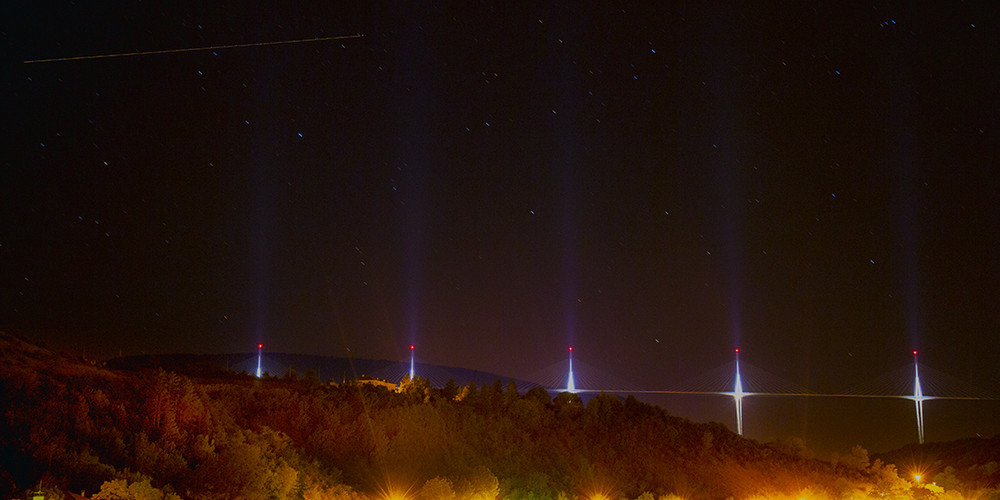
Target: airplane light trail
[[193, 49]]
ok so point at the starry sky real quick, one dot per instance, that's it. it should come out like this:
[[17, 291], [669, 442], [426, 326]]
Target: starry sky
[[654, 183]]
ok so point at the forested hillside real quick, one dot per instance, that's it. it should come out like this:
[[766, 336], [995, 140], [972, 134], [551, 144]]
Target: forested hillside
[[67, 424]]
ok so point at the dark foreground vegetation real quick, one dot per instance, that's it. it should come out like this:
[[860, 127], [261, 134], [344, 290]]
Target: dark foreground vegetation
[[67, 425]]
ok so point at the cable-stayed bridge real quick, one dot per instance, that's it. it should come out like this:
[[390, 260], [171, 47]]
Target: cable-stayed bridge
[[765, 385], [736, 380]]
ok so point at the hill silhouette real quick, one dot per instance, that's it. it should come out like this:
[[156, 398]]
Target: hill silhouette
[[139, 428], [335, 369]]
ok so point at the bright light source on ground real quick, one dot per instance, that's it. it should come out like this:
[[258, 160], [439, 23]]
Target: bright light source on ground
[[600, 490], [395, 495], [392, 490]]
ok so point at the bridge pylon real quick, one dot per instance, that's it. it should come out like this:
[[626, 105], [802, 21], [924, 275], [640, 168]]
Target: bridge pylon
[[738, 394], [413, 371], [570, 383], [918, 399], [260, 354]]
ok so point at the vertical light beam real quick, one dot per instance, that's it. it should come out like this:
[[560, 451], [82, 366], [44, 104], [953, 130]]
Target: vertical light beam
[[570, 383]]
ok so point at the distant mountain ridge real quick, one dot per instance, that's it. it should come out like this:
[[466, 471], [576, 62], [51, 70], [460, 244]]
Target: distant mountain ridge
[[326, 368]]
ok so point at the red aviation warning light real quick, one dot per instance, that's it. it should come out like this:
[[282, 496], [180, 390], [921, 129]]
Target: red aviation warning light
[[260, 346], [570, 348], [737, 350], [914, 352], [411, 347]]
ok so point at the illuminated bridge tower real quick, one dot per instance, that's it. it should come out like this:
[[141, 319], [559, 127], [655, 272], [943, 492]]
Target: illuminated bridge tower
[[918, 399], [570, 384], [413, 371], [260, 354], [738, 395]]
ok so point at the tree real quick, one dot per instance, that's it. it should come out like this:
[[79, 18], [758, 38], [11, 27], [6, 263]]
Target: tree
[[887, 480], [510, 394], [858, 459], [437, 488], [492, 396], [538, 394], [567, 399], [337, 492], [120, 489], [418, 390], [606, 408], [794, 445], [480, 484], [450, 390], [469, 393], [947, 479]]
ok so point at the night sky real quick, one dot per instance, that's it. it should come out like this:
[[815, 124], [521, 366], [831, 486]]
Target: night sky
[[656, 185]]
